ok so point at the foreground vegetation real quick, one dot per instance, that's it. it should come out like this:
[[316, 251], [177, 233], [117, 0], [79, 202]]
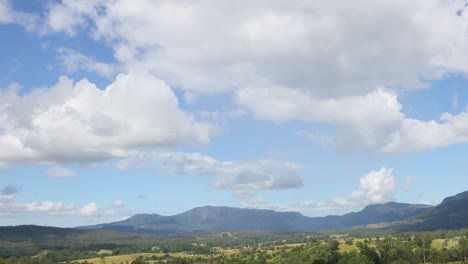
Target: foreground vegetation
[[72, 246]]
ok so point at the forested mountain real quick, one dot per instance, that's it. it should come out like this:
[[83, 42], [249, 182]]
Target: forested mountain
[[213, 219], [452, 213]]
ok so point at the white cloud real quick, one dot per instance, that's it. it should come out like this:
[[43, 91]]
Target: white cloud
[[10, 205], [69, 14], [8, 15], [118, 204], [416, 135], [74, 61], [244, 177], [89, 209], [58, 171], [311, 61], [375, 187], [48, 206], [373, 123], [77, 122], [328, 49]]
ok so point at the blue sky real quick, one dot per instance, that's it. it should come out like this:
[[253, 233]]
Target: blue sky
[[113, 108]]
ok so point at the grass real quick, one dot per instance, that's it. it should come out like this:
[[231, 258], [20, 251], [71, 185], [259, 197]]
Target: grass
[[131, 257], [343, 247], [439, 243], [117, 259]]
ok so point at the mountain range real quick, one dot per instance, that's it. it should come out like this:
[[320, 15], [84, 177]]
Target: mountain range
[[451, 213]]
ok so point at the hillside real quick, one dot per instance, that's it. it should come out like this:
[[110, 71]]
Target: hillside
[[452, 213], [215, 219]]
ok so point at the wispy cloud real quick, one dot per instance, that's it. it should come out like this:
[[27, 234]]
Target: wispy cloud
[[74, 61], [60, 172], [9, 16]]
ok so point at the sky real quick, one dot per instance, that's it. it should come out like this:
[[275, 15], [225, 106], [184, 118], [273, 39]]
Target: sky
[[110, 108]]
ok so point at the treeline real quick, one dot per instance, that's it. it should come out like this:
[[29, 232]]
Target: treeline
[[52, 245], [358, 246]]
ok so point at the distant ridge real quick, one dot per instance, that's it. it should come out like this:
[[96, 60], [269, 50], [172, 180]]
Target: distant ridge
[[219, 218], [451, 213]]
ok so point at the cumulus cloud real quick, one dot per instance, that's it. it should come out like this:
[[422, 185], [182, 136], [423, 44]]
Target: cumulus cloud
[[335, 63], [77, 122], [70, 14], [89, 209], [371, 123], [244, 177], [376, 187], [58, 171], [330, 49]]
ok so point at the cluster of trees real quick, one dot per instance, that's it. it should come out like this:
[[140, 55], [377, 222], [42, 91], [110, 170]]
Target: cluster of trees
[[405, 249], [258, 248]]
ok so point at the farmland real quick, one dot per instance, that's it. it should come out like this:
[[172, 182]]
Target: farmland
[[43, 245]]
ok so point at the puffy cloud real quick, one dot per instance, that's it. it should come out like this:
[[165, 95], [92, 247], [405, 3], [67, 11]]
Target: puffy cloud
[[89, 209], [69, 14], [364, 122], [330, 49], [58, 171], [311, 61], [244, 177], [373, 123], [77, 122], [416, 135], [375, 187]]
